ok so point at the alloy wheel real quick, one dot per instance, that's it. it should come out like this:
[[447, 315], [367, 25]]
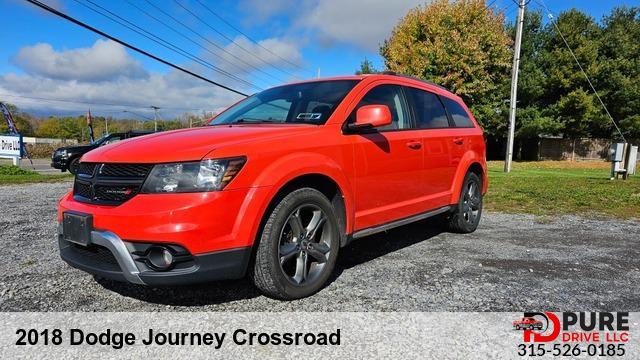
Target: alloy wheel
[[305, 244], [471, 202]]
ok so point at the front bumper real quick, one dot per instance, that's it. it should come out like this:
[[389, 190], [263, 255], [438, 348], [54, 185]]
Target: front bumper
[[109, 256], [200, 222], [58, 162]]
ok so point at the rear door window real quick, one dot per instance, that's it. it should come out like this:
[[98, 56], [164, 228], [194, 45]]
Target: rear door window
[[429, 111], [458, 113]]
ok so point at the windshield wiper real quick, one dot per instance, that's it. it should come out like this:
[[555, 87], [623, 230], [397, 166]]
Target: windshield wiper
[[253, 121]]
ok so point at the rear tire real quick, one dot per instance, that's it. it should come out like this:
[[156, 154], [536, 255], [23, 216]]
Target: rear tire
[[466, 214], [73, 165], [298, 246]]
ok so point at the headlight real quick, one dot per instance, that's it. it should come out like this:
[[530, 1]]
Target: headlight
[[205, 175]]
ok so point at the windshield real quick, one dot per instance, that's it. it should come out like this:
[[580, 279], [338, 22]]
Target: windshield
[[101, 140], [306, 103]]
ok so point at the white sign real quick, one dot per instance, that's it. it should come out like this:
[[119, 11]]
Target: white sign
[[10, 145]]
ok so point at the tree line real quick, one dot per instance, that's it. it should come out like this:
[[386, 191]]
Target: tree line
[[468, 48], [75, 127]]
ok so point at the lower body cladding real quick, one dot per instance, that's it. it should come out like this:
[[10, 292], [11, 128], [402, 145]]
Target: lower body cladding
[[155, 264]]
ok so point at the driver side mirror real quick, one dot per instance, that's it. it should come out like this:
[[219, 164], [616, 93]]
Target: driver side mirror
[[371, 116]]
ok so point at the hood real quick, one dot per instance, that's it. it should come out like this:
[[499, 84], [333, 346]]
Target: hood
[[77, 148], [188, 144]]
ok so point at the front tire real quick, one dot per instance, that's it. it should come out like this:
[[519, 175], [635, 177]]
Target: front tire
[[466, 214], [73, 165], [298, 246]]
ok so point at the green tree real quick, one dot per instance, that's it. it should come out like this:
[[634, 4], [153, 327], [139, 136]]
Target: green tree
[[22, 120], [618, 79], [459, 44], [567, 96], [366, 67]]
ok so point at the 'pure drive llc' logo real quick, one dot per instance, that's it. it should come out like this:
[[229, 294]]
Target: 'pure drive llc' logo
[[573, 333]]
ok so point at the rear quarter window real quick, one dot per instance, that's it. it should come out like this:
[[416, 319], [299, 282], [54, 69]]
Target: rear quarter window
[[428, 109], [458, 113]]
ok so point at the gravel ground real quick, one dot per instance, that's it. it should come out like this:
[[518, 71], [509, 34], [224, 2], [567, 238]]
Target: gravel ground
[[512, 263]]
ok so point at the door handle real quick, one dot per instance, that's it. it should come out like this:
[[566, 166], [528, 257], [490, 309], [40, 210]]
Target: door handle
[[415, 145], [458, 141]]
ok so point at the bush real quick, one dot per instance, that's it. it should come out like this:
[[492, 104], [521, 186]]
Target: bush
[[42, 151], [15, 170]]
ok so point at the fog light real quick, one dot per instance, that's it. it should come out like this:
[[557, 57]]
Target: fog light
[[160, 258]]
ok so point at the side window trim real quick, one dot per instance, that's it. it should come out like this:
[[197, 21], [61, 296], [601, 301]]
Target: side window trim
[[452, 124], [413, 125]]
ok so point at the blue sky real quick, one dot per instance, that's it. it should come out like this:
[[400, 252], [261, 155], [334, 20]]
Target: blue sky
[[43, 56]]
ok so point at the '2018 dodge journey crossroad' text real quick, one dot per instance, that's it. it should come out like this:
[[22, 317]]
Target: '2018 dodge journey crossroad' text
[[276, 185]]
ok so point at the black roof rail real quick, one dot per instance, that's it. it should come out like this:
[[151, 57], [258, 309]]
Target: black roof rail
[[393, 73]]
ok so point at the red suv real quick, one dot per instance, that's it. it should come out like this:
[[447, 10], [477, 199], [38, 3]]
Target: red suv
[[276, 185], [527, 323]]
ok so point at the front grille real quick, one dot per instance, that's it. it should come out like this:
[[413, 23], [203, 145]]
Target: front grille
[[125, 170], [86, 168], [109, 184], [83, 189]]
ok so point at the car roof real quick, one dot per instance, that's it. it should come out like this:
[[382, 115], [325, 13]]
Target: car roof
[[385, 75]]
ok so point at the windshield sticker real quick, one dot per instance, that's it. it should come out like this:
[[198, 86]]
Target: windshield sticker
[[309, 116]]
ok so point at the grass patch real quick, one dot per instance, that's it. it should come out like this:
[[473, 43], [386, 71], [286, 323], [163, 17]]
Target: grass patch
[[10, 174], [562, 187]]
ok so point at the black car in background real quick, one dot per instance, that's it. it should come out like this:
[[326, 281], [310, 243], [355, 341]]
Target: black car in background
[[68, 157]]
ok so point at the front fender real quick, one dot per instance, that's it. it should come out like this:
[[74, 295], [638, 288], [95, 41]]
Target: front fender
[[285, 169]]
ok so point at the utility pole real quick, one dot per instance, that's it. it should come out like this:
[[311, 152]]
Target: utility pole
[[514, 88], [318, 74], [155, 118]]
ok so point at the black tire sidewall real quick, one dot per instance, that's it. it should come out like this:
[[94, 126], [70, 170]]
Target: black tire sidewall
[[279, 215], [460, 214], [73, 165]]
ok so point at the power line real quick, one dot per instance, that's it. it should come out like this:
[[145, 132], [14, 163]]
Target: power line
[[121, 42], [158, 40], [212, 43], [232, 41], [555, 24], [248, 37], [136, 114], [163, 23]]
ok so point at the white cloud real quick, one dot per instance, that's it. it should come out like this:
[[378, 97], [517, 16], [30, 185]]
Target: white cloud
[[261, 10], [363, 23], [247, 56], [106, 73], [174, 92], [103, 61]]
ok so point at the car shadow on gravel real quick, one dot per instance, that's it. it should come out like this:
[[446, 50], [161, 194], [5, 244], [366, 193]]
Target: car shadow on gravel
[[358, 252], [189, 295], [374, 246]]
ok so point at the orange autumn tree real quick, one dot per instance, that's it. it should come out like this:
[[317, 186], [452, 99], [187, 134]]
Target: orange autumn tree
[[461, 45]]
